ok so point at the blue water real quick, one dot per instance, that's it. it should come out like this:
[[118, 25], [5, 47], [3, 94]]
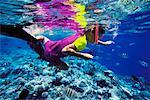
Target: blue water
[[111, 74], [130, 54]]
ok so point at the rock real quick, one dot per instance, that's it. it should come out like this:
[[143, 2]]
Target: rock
[[11, 90], [145, 94], [45, 94], [59, 98], [136, 85], [4, 64], [31, 74], [77, 89], [31, 65], [110, 85], [59, 75], [82, 84], [100, 91], [90, 73], [5, 73], [50, 80], [65, 81], [102, 83], [36, 68], [114, 97], [108, 73], [34, 82], [45, 72], [114, 82], [39, 89], [23, 95], [30, 87], [99, 97], [6, 82], [57, 82], [21, 81], [135, 79], [45, 86], [90, 91], [108, 95], [127, 92], [17, 71]]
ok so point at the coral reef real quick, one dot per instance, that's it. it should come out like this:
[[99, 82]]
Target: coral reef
[[24, 76]]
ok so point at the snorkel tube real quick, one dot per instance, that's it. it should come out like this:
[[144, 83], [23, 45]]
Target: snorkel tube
[[96, 37], [98, 32]]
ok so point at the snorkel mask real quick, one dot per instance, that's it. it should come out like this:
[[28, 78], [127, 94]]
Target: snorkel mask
[[94, 32], [98, 32]]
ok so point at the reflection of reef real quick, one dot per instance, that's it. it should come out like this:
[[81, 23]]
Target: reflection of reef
[[85, 79]]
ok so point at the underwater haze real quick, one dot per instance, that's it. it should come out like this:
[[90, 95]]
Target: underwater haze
[[120, 71]]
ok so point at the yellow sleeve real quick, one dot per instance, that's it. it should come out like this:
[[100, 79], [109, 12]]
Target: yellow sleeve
[[80, 43]]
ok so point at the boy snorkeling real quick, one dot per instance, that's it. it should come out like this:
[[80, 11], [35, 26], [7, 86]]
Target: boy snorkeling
[[54, 50]]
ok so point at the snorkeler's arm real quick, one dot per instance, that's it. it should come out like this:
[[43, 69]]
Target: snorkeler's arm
[[70, 50], [105, 43], [101, 42]]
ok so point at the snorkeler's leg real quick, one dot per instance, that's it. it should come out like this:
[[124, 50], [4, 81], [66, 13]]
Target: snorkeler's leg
[[16, 31], [59, 63], [62, 65], [37, 47]]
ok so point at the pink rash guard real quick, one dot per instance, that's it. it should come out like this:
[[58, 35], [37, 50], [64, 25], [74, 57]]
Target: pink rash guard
[[53, 48]]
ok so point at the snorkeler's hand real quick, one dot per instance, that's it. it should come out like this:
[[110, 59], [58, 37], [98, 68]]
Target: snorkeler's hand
[[88, 56], [109, 42]]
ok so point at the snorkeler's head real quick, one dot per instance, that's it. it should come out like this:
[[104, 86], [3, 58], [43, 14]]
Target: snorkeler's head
[[100, 29], [95, 31]]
